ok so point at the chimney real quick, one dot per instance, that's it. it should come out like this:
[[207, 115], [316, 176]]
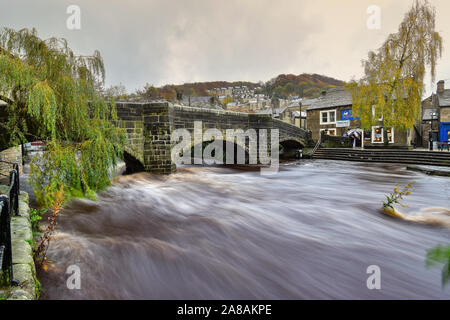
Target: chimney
[[440, 86]]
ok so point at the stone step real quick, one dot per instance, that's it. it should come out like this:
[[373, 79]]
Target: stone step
[[405, 156], [434, 158], [385, 151], [387, 161], [425, 155]]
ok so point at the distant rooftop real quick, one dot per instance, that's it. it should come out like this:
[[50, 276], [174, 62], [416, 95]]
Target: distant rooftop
[[444, 98], [428, 114], [334, 97], [275, 111]]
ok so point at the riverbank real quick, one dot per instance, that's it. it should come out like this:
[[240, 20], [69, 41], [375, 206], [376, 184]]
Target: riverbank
[[24, 269]]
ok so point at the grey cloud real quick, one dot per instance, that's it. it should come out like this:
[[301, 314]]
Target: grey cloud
[[172, 41]]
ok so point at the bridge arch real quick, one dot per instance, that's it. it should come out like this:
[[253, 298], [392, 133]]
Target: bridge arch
[[289, 147], [226, 145], [132, 164]]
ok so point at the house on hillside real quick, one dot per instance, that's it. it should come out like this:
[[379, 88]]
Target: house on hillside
[[297, 113], [332, 114], [277, 113]]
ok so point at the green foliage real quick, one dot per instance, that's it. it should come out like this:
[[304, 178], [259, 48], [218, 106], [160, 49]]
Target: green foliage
[[227, 100], [37, 288], [438, 256], [35, 217], [53, 95], [303, 85], [392, 86], [397, 195]]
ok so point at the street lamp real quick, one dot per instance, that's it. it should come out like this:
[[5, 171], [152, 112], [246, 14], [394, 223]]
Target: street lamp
[[433, 117], [300, 114]]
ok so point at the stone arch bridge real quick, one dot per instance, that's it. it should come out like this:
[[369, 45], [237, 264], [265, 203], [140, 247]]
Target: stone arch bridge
[[149, 127]]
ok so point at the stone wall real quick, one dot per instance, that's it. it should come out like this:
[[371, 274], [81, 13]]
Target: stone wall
[[336, 141], [445, 114], [130, 115], [24, 270], [13, 154]]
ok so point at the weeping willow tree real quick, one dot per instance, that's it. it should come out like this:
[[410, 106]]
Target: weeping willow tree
[[52, 95], [393, 82]]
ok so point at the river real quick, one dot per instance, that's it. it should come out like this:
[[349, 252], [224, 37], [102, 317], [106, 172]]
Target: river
[[308, 232]]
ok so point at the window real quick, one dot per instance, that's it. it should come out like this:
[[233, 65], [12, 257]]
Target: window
[[329, 131], [328, 117], [390, 135], [378, 134], [332, 116]]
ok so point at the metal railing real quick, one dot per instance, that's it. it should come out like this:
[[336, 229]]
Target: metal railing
[[9, 205], [317, 144]]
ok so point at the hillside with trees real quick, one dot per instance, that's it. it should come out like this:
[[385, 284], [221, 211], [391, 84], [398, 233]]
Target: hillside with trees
[[283, 86], [303, 85]]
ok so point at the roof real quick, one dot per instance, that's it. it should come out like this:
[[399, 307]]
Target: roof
[[334, 97], [428, 114], [197, 99], [305, 102], [275, 111], [444, 98]]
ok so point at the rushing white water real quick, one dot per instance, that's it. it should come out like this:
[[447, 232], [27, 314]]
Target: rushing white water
[[309, 231]]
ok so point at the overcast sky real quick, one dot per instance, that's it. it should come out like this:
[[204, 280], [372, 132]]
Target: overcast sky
[[168, 41]]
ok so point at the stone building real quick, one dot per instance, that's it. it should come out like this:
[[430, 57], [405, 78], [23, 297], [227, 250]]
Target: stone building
[[435, 122], [332, 114], [297, 113], [443, 104]]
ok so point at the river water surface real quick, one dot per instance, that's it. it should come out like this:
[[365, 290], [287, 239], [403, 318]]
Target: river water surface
[[308, 232]]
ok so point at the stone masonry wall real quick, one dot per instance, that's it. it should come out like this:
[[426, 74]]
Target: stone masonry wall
[[22, 254], [130, 115], [445, 114], [158, 127], [336, 141], [13, 154]]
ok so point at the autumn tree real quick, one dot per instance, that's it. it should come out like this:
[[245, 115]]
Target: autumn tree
[[51, 95], [116, 91], [227, 100], [168, 94], [149, 92], [189, 92], [393, 82]]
